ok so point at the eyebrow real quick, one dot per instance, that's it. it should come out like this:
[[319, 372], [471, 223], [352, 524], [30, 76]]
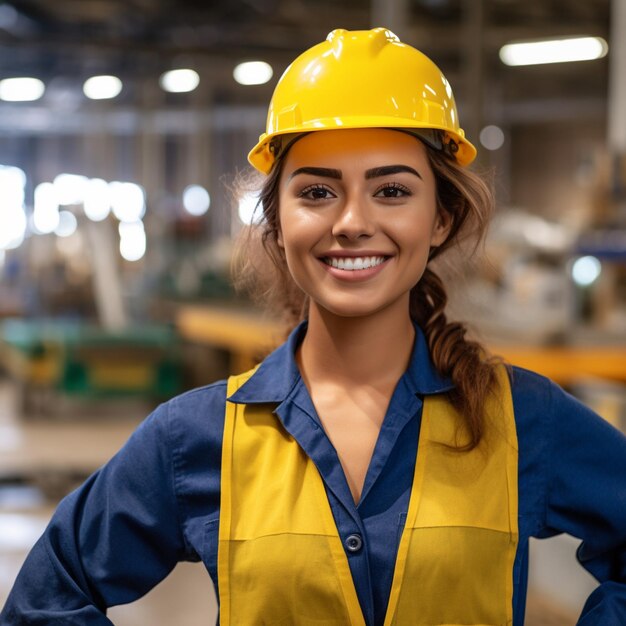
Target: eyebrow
[[375, 172], [325, 172], [386, 170]]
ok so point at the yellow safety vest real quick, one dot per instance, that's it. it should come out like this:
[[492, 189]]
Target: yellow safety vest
[[281, 560]]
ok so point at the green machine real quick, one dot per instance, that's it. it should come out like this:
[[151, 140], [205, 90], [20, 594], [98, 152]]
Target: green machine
[[80, 359]]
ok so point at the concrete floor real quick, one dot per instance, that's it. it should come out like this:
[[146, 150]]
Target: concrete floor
[[47, 455]]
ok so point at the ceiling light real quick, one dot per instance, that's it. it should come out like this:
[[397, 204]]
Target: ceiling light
[[67, 224], [128, 201], [492, 137], [46, 209], [249, 209], [554, 51], [586, 270], [70, 188], [196, 200], [12, 216], [102, 87], [21, 89], [179, 81], [253, 73], [97, 203], [132, 240]]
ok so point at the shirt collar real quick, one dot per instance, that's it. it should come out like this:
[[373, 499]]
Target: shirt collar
[[278, 374]]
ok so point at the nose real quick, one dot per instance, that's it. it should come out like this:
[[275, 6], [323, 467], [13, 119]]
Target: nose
[[354, 221]]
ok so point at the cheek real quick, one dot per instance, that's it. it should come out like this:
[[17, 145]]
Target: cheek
[[299, 229], [416, 233]]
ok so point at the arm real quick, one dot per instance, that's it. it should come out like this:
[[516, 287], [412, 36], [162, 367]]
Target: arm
[[587, 499], [109, 542]]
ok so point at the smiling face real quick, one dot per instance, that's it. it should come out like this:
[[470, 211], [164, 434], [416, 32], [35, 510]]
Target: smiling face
[[358, 218]]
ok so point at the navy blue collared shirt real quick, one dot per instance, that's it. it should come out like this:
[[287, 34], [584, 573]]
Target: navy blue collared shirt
[[157, 501]]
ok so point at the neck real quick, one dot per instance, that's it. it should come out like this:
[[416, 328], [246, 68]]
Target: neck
[[373, 350]]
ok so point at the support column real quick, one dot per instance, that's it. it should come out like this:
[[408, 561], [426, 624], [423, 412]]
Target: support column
[[392, 14], [617, 106], [474, 69], [617, 84]]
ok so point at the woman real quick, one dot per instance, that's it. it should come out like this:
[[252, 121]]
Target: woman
[[377, 468]]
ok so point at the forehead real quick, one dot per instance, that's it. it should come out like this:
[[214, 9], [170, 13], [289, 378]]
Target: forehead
[[365, 148]]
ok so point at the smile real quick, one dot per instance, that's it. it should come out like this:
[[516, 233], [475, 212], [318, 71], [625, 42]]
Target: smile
[[354, 263]]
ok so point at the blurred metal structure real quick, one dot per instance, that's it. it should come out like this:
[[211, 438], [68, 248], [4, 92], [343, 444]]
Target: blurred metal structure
[[617, 105], [70, 39], [617, 86], [392, 14]]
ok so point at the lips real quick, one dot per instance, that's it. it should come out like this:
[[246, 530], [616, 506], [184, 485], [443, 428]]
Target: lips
[[354, 263]]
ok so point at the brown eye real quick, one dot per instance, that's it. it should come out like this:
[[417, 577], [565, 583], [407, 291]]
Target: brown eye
[[392, 191], [316, 192]]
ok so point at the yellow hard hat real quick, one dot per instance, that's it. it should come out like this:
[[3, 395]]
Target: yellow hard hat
[[361, 79]]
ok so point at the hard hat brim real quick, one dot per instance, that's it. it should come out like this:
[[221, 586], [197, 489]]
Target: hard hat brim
[[262, 158]]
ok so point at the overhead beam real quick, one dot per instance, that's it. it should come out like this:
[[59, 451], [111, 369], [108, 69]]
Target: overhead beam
[[33, 120]]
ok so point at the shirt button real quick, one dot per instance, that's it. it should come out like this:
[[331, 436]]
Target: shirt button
[[354, 543]]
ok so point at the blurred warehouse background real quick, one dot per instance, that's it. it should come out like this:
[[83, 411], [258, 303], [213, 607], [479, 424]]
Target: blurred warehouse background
[[123, 128]]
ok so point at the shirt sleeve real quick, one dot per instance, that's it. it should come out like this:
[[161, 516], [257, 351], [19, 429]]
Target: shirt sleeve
[[586, 498], [109, 542]]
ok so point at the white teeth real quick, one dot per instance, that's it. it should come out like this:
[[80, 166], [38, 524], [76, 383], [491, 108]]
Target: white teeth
[[354, 263]]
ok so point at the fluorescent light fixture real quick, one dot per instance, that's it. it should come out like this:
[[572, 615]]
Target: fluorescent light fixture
[[21, 89], [253, 73], [179, 81], [554, 51], [102, 87]]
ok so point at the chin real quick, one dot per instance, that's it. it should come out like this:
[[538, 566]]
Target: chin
[[361, 308]]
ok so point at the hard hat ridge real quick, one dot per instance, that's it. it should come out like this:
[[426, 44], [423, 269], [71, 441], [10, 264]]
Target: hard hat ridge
[[353, 42]]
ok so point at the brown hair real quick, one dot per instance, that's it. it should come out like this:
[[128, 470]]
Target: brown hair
[[467, 202]]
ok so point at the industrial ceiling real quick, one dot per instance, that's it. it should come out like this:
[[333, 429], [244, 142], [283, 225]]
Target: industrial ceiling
[[65, 41]]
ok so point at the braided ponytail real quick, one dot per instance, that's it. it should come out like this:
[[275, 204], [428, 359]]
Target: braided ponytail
[[466, 201], [464, 361]]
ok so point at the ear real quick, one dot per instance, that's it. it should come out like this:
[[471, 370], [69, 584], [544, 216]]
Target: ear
[[279, 239], [441, 229]]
